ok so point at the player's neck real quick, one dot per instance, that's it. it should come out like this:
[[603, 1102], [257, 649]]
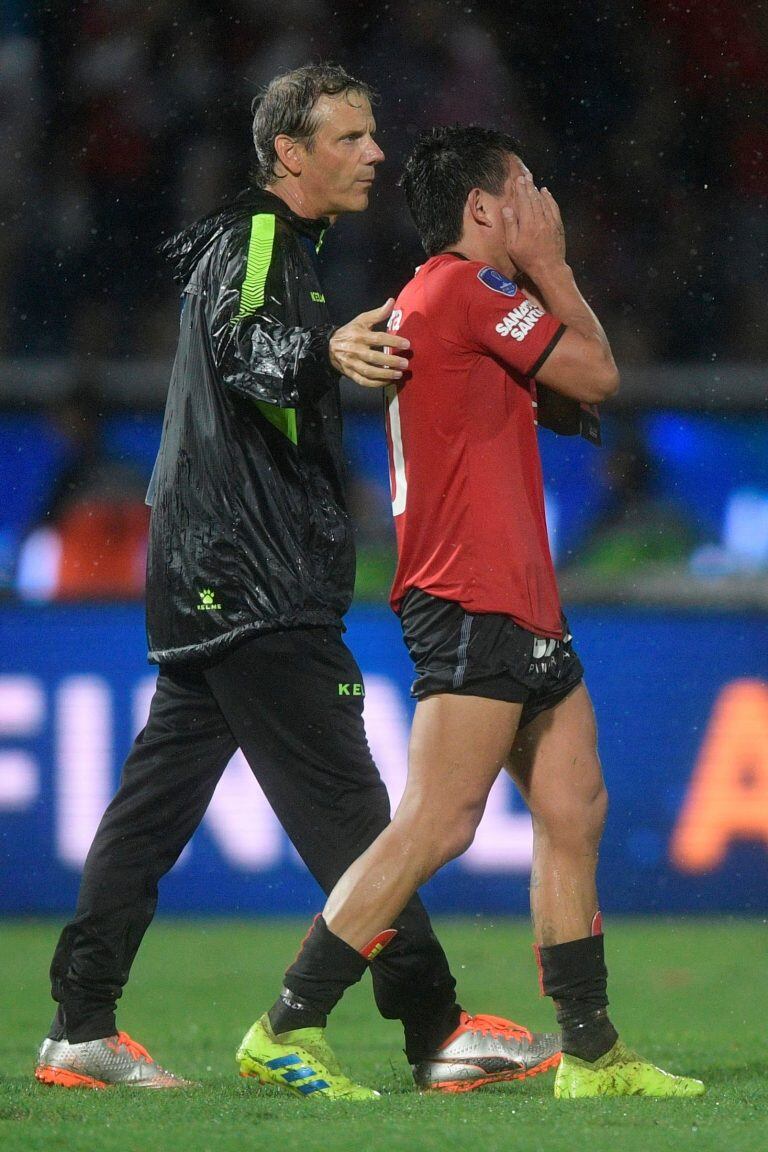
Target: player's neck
[[473, 249]]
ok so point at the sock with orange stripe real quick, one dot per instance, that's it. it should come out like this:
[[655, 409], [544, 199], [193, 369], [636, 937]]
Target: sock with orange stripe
[[318, 978]]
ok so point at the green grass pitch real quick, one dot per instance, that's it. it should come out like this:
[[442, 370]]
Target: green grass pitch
[[692, 995]]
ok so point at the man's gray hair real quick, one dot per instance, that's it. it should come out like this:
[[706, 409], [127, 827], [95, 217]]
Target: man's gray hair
[[287, 105]]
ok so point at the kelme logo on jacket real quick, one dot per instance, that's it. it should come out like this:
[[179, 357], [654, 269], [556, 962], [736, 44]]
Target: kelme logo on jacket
[[351, 690], [208, 601]]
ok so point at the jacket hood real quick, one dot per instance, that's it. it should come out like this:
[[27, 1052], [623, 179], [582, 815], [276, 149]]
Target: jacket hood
[[184, 249]]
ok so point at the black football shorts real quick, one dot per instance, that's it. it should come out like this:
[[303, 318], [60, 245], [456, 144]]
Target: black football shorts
[[487, 654]]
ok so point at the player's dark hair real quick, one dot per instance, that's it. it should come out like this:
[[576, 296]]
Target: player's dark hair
[[441, 171], [287, 107]]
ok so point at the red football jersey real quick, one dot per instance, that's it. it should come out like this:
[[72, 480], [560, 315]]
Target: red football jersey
[[467, 490]]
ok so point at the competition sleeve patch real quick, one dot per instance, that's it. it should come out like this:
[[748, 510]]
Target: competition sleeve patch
[[496, 282]]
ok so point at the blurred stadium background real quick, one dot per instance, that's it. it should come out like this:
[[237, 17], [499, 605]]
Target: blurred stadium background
[[120, 122]]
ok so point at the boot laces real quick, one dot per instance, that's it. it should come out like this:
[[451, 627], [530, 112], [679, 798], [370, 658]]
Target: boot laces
[[135, 1050], [497, 1026]]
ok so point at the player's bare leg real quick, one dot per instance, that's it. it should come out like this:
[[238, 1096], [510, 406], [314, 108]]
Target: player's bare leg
[[458, 746], [555, 764]]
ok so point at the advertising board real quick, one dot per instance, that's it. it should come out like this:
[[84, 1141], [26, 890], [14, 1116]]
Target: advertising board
[[682, 708]]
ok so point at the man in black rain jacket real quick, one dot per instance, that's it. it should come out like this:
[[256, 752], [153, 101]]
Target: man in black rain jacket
[[250, 571], [250, 532]]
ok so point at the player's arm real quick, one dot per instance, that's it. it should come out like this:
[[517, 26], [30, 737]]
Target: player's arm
[[580, 365], [559, 413], [502, 319]]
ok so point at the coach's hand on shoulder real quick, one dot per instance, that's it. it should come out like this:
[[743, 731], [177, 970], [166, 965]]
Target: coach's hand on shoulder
[[365, 355]]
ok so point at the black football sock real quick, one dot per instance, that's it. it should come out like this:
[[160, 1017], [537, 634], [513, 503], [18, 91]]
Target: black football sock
[[318, 978], [575, 976]]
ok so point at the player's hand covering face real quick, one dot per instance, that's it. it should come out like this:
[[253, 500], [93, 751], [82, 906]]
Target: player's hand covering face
[[534, 233]]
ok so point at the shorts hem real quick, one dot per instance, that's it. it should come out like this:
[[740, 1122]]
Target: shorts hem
[[494, 687]]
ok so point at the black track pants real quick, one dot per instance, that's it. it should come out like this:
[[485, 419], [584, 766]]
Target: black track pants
[[279, 698]]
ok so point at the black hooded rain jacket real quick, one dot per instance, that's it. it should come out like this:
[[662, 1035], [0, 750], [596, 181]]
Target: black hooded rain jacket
[[249, 529]]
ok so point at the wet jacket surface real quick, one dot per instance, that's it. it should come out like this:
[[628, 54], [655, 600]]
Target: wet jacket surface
[[249, 530]]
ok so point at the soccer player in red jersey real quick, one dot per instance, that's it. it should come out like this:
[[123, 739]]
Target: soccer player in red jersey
[[494, 311]]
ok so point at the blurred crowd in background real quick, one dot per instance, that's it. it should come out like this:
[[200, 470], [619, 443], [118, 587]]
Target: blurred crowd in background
[[122, 121]]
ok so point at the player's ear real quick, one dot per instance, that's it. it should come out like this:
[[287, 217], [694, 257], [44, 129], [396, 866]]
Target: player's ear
[[289, 154], [476, 208]]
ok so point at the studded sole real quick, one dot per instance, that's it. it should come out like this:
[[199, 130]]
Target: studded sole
[[62, 1078], [496, 1078]]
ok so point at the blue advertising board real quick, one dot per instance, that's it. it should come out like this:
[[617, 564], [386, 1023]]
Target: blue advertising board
[[682, 707]]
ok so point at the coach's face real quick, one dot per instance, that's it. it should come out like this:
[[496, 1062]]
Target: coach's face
[[336, 168]]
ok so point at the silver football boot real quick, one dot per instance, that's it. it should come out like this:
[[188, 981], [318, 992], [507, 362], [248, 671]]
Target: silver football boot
[[102, 1064], [487, 1050]]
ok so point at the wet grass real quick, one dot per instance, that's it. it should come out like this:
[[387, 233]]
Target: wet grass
[[689, 994]]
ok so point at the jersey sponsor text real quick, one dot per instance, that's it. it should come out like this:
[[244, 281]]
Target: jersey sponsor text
[[518, 322]]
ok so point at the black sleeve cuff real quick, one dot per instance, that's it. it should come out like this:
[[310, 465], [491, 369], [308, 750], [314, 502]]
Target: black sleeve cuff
[[538, 363]]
